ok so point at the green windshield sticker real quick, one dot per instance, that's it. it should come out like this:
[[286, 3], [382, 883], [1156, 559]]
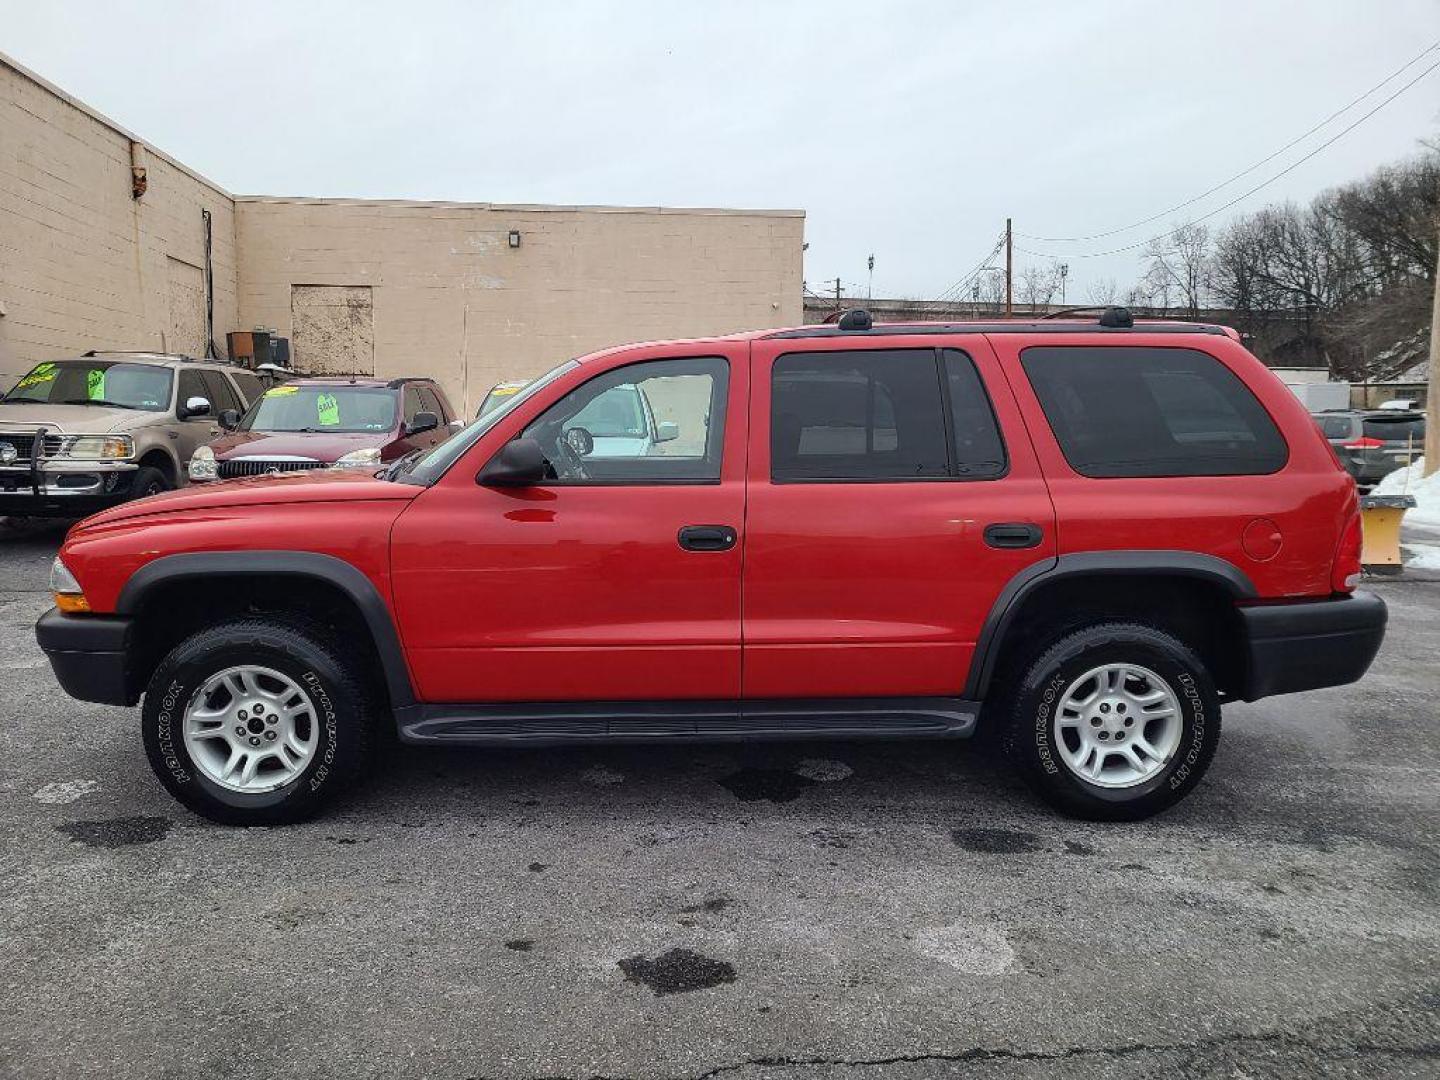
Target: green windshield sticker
[[327, 410], [42, 373], [95, 384]]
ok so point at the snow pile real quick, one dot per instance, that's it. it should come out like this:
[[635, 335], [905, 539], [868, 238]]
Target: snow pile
[[1418, 557], [1426, 489]]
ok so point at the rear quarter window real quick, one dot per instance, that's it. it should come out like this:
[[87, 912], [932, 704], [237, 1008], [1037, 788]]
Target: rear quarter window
[[1121, 411]]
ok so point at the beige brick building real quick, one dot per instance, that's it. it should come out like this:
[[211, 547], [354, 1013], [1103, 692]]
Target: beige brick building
[[468, 293]]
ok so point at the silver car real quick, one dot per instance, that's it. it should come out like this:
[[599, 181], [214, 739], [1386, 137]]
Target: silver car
[[80, 434]]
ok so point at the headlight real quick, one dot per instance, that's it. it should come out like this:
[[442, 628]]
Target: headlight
[[368, 458], [68, 595], [98, 447], [202, 464]]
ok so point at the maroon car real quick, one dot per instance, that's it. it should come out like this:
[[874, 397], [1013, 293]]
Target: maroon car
[[323, 423]]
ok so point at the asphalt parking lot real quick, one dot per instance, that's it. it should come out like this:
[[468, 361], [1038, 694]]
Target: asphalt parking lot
[[818, 910]]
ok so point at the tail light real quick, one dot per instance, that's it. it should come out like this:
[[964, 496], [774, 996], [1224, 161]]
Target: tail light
[[1345, 572], [1364, 443]]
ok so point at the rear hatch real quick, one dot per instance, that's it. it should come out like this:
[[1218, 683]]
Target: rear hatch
[[1390, 442]]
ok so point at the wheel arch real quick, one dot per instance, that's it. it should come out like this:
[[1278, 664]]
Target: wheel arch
[[1214, 583], [162, 458], [308, 573]]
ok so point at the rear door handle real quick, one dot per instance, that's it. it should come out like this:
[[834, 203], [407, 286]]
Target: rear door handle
[[707, 538], [1013, 534]]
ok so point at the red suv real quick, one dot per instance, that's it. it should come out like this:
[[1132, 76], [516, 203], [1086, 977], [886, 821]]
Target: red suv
[[1083, 536]]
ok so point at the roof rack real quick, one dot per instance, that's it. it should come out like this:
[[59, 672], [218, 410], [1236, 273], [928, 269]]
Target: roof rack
[[137, 352], [858, 323]]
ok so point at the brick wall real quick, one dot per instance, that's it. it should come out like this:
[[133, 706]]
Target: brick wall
[[452, 299], [85, 266], [82, 264]]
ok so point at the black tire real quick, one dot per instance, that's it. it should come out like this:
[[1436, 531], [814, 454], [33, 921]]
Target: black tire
[[343, 707], [1030, 738], [148, 481]]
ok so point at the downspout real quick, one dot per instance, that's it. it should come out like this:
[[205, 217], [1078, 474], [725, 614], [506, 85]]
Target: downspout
[[210, 351]]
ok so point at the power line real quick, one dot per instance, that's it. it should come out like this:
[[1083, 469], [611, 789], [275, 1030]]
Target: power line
[[1242, 197], [1247, 171], [954, 290]]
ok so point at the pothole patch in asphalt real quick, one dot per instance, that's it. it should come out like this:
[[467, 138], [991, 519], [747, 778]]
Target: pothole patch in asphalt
[[602, 776], [823, 770], [117, 832], [996, 841], [766, 785], [679, 971], [974, 948], [65, 791], [520, 945]]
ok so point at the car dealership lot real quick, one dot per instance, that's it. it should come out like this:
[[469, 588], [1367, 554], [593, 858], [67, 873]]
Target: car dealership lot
[[821, 909]]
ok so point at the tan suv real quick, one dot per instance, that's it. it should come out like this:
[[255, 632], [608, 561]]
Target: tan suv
[[81, 434]]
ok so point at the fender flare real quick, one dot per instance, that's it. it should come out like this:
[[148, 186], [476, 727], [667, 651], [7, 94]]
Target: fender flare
[[1158, 563], [301, 564]]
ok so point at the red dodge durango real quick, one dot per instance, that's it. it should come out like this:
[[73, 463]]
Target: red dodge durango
[[1084, 536]]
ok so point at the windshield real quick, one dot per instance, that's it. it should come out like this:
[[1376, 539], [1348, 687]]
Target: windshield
[[332, 409], [428, 469], [106, 383]]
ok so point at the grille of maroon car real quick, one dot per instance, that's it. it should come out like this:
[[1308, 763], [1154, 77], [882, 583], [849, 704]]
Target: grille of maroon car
[[261, 466]]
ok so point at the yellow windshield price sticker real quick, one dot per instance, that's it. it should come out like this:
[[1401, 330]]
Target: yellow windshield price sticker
[[95, 384], [41, 374], [280, 391], [327, 410]]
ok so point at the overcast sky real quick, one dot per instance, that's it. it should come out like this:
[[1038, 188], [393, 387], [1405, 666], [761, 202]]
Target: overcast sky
[[909, 130]]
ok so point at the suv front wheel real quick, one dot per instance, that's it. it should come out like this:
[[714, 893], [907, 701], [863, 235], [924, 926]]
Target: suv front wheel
[[257, 721], [1114, 722]]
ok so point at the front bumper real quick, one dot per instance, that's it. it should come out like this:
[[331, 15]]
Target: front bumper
[[65, 488], [90, 655], [1310, 644]]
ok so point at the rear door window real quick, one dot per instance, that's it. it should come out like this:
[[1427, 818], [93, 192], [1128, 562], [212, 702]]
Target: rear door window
[[220, 393], [881, 415], [250, 386], [1127, 411]]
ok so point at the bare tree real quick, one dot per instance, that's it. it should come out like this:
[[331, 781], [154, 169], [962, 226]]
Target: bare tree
[[1102, 291], [1179, 265], [1038, 285]]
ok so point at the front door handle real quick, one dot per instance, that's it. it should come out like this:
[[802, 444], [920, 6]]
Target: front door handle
[[707, 538], [1013, 534]]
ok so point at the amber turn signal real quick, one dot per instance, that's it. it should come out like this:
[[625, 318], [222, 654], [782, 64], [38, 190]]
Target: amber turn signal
[[71, 603]]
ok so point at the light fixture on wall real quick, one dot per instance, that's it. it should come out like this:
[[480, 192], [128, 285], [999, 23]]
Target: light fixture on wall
[[514, 238]]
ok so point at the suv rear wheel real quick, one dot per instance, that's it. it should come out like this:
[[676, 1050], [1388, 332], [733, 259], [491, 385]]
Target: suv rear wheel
[[257, 721], [1115, 721]]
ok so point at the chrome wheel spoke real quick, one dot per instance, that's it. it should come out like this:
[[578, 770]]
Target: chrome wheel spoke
[[1125, 723], [239, 747]]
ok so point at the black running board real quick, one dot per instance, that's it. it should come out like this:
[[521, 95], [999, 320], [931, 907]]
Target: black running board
[[559, 723]]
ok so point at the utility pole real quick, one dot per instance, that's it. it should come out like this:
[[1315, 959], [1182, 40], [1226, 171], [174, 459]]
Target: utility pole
[[837, 292], [870, 283], [1064, 273], [1009, 271], [1432, 390]]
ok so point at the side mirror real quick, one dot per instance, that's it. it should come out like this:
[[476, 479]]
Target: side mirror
[[422, 422], [229, 419], [667, 431], [195, 406], [520, 463]]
